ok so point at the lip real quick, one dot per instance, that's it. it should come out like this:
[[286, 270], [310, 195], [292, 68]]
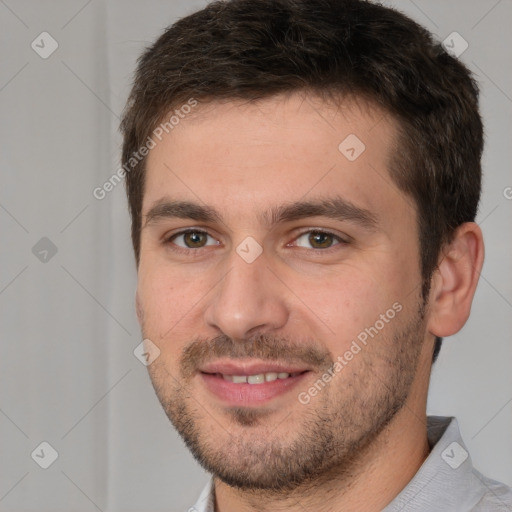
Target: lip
[[245, 394], [248, 395]]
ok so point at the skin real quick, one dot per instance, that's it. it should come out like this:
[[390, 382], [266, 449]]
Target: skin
[[360, 440]]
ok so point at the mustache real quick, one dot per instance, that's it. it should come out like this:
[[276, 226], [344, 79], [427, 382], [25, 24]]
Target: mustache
[[263, 346]]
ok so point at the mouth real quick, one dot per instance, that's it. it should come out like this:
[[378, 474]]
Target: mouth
[[250, 383], [258, 378]]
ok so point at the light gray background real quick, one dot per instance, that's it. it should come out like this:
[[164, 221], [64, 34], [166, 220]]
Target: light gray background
[[67, 372]]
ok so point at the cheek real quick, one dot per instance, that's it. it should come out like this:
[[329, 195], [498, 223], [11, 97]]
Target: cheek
[[340, 303], [168, 299], [161, 311], [155, 290], [351, 301]]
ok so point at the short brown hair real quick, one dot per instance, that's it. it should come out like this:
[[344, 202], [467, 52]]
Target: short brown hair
[[254, 49]]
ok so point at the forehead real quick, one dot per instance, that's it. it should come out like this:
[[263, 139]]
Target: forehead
[[239, 155]]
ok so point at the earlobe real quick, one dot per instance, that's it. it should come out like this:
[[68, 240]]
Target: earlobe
[[455, 280]]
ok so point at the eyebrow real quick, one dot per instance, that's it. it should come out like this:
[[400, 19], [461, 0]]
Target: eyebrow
[[167, 209], [335, 208]]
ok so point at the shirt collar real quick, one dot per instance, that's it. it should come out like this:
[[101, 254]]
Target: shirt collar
[[206, 501], [445, 481]]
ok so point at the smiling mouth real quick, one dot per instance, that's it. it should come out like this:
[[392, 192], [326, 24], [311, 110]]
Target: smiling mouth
[[250, 384], [259, 378]]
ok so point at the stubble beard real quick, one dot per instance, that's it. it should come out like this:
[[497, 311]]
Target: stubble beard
[[323, 439]]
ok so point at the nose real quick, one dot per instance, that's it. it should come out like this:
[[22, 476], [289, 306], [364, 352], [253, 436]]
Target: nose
[[248, 301]]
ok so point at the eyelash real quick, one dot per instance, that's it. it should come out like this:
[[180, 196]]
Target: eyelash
[[189, 251], [340, 241], [182, 250]]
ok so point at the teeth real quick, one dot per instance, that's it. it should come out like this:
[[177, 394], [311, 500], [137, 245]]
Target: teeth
[[259, 378], [256, 379]]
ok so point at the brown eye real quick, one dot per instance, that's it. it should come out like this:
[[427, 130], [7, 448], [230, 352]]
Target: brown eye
[[320, 240], [194, 239], [191, 239], [317, 240]]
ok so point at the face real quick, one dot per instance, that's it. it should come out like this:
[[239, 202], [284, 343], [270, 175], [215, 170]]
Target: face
[[279, 278]]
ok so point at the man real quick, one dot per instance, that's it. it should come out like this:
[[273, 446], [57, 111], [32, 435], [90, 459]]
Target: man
[[303, 178]]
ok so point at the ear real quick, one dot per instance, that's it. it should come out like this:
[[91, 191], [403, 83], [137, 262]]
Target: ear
[[454, 281]]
